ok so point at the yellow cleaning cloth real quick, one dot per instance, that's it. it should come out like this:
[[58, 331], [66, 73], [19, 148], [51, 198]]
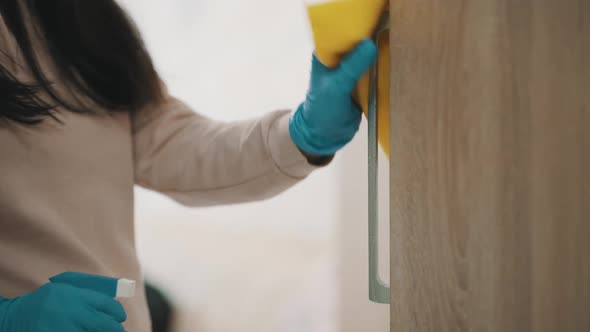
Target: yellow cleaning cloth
[[337, 27]]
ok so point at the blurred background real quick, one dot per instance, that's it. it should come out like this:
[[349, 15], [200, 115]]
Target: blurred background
[[294, 263]]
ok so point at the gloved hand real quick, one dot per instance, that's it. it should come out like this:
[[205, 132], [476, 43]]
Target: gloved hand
[[329, 118], [62, 307]]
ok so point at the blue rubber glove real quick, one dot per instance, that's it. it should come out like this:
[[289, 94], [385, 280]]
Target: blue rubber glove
[[329, 118], [63, 307]]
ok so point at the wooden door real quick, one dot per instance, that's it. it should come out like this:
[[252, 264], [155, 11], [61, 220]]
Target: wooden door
[[490, 163]]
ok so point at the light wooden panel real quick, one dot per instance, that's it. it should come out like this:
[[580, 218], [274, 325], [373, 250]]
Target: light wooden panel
[[490, 155]]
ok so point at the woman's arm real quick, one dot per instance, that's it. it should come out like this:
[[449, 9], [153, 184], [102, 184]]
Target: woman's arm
[[199, 161], [202, 162]]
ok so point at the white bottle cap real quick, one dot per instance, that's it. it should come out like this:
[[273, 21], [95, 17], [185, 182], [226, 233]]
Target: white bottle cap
[[125, 288]]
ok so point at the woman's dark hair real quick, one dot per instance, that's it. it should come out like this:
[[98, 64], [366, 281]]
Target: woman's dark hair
[[97, 52]]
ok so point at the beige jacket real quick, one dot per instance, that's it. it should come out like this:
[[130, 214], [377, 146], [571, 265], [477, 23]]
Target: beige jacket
[[66, 190]]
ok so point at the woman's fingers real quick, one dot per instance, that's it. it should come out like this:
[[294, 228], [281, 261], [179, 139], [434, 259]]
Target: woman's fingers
[[356, 63]]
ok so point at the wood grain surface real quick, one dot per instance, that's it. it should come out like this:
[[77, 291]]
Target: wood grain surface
[[490, 155]]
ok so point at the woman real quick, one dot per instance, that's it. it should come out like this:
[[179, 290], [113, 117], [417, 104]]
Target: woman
[[84, 117]]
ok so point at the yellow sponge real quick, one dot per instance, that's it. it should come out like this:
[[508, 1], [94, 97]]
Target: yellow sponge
[[337, 27]]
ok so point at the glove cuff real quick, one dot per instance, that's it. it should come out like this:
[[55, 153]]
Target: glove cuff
[[309, 141]]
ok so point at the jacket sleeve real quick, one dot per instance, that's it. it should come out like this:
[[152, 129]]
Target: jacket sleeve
[[198, 161]]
